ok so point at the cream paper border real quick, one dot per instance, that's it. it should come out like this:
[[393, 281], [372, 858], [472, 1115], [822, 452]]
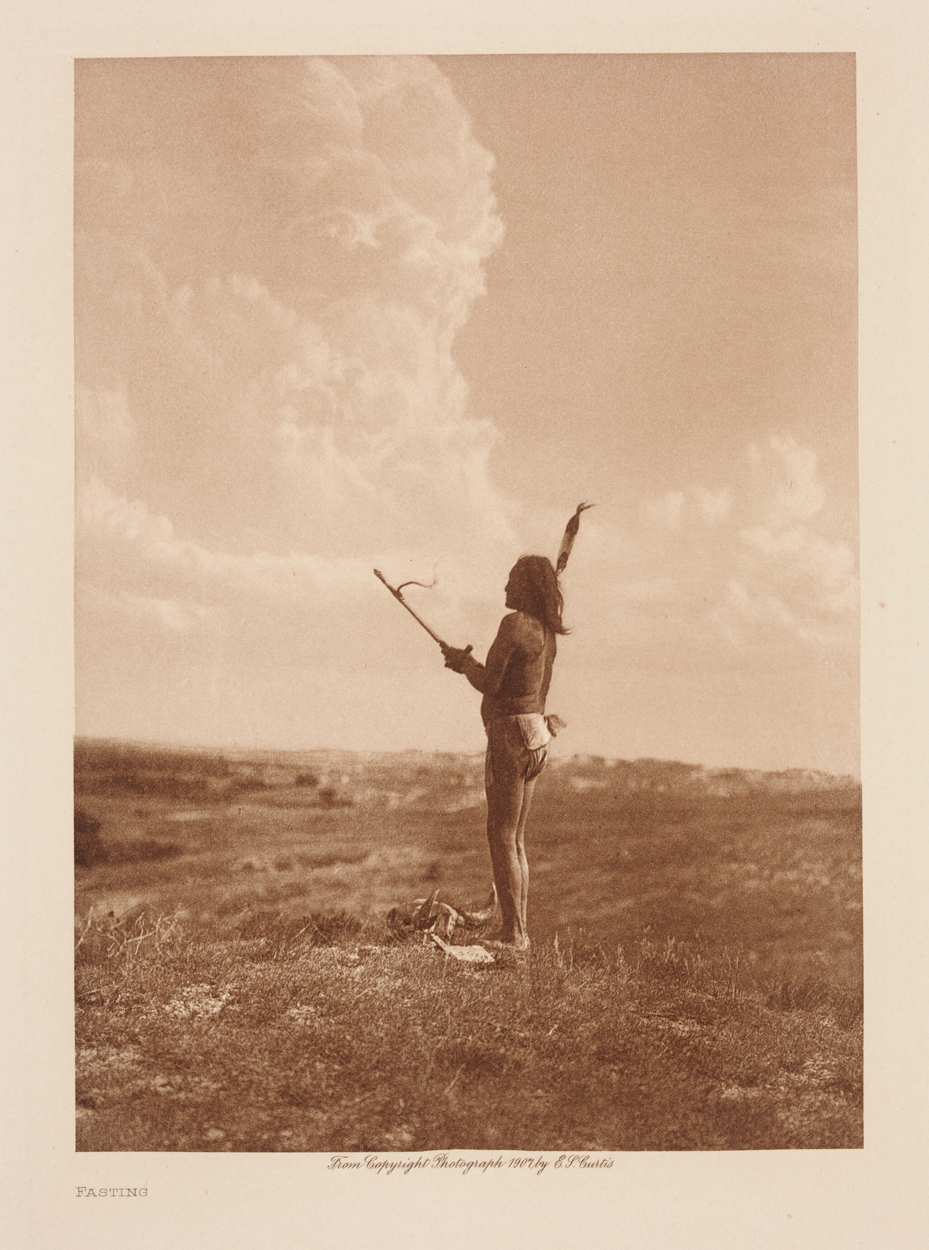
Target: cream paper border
[[817, 1199]]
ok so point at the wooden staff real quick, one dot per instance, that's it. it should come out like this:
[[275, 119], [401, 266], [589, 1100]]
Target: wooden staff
[[395, 591]]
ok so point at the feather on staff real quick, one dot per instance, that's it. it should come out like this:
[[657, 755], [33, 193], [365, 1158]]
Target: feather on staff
[[570, 534]]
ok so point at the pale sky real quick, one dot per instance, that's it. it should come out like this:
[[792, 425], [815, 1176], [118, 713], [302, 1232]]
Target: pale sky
[[339, 314]]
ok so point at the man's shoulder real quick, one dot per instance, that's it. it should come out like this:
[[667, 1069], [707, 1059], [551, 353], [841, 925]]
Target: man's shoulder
[[522, 627]]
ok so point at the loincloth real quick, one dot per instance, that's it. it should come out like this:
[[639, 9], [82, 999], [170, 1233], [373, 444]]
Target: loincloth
[[517, 747]]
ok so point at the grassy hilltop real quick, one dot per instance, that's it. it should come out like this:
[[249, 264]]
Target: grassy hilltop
[[695, 980]]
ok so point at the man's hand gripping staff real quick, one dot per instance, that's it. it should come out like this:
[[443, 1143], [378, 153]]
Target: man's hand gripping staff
[[455, 657], [451, 654]]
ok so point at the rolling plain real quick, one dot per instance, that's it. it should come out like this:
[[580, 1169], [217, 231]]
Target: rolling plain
[[695, 981]]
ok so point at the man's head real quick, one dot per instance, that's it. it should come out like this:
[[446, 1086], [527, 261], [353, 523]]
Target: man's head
[[517, 589], [533, 588]]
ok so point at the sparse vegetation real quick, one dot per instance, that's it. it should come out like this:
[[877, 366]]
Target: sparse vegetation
[[309, 1039], [695, 981]]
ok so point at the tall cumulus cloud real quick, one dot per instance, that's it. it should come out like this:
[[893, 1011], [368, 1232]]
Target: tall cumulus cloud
[[273, 257]]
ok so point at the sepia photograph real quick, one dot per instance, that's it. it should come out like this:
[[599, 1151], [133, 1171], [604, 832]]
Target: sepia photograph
[[467, 663], [464, 703]]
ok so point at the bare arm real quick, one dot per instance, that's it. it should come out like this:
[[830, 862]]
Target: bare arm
[[487, 677]]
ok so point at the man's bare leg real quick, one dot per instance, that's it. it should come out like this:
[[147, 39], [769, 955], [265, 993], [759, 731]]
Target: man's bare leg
[[505, 800], [528, 789]]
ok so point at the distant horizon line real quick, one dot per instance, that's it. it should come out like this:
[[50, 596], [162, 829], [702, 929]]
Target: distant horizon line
[[330, 750]]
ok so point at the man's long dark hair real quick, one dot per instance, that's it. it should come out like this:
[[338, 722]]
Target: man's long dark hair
[[543, 597]]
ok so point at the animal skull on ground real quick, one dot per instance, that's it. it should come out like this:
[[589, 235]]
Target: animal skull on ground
[[427, 916]]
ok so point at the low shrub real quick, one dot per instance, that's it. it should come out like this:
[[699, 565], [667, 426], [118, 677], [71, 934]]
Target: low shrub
[[89, 848]]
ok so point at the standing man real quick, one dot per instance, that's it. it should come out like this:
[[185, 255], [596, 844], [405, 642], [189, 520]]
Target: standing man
[[514, 681]]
